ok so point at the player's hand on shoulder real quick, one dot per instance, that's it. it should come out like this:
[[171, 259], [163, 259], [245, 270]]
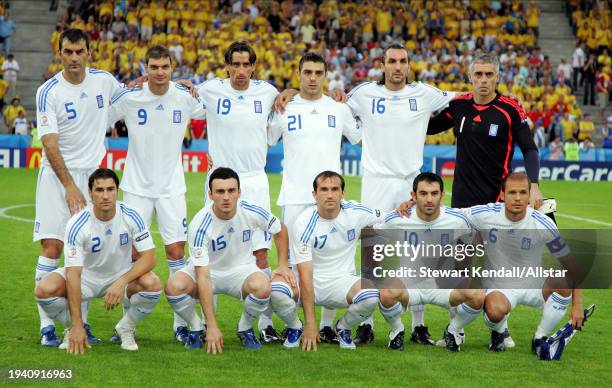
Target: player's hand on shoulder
[[114, 294], [74, 199], [189, 85], [281, 100], [310, 338], [403, 207], [214, 340], [339, 95], [138, 82], [77, 340]]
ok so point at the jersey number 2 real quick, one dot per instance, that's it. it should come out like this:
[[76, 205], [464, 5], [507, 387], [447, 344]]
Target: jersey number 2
[[96, 244]]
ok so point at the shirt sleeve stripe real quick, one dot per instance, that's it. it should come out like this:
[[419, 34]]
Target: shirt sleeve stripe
[[42, 103], [134, 215], [310, 223], [199, 237], [311, 229], [74, 231]]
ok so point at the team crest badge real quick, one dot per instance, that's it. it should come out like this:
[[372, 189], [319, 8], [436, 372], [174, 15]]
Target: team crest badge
[[413, 104], [258, 108], [123, 238], [526, 244], [493, 130], [246, 235], [176, 117], [100, 101], [331, 121], [304, 249], [350, 234]]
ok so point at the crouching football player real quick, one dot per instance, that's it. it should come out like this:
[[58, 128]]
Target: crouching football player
[[222, 262], [323, 248], [429, 221], [514, 236], [98, 255]]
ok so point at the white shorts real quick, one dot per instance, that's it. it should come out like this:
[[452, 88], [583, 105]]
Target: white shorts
[[226, 282], [254, 187], [419, 296], [90, 288], [171, 214], [290, 214], [385, 192], [332, 292], [527, 297], [52, 213]]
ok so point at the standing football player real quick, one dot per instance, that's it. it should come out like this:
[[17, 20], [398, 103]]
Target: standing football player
[[72, 116], [156, 116]]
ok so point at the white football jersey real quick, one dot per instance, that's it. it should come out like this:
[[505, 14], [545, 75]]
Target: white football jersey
[[78, 114], [225, 244], [451, 226], [312, 140], [104, 249], [394, 125], [237, 122], [515, 244], [156, 128], [331, 244]]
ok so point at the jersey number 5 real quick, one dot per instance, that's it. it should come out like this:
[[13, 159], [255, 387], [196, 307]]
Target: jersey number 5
[[70, 110]]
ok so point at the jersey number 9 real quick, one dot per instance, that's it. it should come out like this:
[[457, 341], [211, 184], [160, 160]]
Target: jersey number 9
[[142, 115]]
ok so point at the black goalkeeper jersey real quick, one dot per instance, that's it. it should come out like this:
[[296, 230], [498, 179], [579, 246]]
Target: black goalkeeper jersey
[[485, 144]]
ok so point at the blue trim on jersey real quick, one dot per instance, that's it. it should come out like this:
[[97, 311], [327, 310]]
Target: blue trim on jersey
[[122, 93], [76, 227], [46, 268], [134, 216], [357, 87], [563, 301], [201, 231], [282, 289], [47, 302], [98, 71], [366, 295], [149, 295], [177, 299], [42, 98], [391, 216], [256, 209], [356, 206], [260, 302], [469, 310], [176, 263], [457, 214], [309, 228], [487, 208], [548, 224]]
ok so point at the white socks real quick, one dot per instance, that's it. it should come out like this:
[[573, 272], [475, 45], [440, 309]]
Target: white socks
[[281, 300]]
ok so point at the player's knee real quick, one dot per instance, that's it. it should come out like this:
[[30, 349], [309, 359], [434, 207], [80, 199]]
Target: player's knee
[[47, 288], [495, 311], [388, 297], [51, 248], [475, 298], [280, 291], [261, 258], [150, 282], [260, 287], [175, 251], [175, 286]]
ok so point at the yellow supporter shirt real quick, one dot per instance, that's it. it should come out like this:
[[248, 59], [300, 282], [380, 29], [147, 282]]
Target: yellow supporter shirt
[[569, 126], [586, 127]]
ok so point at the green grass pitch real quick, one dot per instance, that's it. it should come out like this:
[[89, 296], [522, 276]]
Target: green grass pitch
[[162, 361]]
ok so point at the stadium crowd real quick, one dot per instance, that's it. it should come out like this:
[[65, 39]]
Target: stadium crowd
[[351, 36]]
